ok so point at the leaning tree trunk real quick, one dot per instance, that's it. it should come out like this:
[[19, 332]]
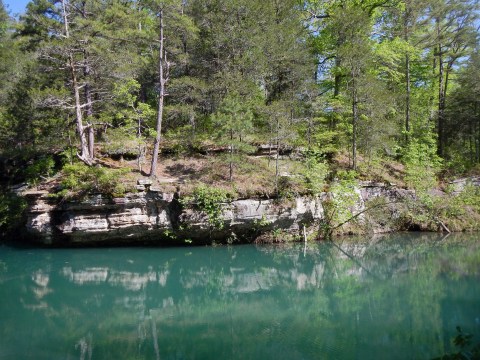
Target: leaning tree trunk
[[161, 97]]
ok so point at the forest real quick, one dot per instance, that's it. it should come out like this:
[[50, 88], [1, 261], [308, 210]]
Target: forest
[[258, 97]]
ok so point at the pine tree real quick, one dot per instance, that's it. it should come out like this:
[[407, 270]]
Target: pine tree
[[171, 23]]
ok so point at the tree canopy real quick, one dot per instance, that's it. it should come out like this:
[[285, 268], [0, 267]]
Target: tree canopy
[[368, 78]]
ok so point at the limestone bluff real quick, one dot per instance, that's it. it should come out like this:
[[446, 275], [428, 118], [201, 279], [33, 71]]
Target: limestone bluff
[[154, 216]]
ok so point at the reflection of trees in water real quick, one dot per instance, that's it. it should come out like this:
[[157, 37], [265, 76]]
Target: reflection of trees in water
[[384, 295]]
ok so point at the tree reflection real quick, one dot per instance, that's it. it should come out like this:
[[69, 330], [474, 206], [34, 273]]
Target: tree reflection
[[390, 295]]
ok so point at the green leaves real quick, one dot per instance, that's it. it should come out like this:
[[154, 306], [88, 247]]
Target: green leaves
[[209, 200], [41, 168], [233, 117], [233, 122], [239, 73], [421, 164], [133, 114], [11, 211], [340, 207], [468, 350], [315, 174], [80, 179]]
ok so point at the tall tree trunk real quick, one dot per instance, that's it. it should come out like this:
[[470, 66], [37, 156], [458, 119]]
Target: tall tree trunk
[[85, 154], [88, 96], [277, 155], [338, 61], [89, 107], [471, 136], [441, 108], [338, 78], [231, 157], [355, 121], [406, 36], [161, 97], [407, 97], [441, 96], [477, 142], [91, 140]]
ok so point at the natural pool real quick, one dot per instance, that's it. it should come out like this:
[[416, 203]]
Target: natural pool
[[392, 297]]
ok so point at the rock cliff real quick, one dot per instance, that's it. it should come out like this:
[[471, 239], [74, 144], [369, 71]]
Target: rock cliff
[[153, 216]]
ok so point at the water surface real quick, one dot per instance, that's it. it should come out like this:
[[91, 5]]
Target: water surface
[[394, 297]]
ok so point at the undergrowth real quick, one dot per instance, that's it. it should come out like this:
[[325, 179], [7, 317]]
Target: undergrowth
[[209, 200], [79, 179], [11, 211]]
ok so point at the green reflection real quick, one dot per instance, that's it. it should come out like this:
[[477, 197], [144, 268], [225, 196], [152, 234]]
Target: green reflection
[[393, 297]]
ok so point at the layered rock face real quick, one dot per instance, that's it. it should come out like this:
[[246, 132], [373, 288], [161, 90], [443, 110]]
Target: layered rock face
[[156, 216], [152, 215]]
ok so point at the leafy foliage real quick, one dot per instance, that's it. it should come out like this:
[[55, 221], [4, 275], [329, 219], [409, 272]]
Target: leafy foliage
[[79, 179], [209, 200], [41, 168], [468, 350], [339, 208], [233, 122], [315, 173], [378, 81], [11, 210], [422, 164]]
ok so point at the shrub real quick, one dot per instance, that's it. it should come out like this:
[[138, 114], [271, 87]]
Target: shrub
[[80, 178], [286, 187], [40, 168], [11, 211], [340, 206], [461, 211], [209, 200], [315, 174], [421, 165], [122, 142]]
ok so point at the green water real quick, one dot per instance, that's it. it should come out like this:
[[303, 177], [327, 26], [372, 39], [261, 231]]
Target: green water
[[395, 297]]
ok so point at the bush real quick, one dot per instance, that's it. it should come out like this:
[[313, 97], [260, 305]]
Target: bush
[[11, 211], [421, 165], [122, 142], [460, 211], [316, 171], [209, 200], [340, 206], [286, 187], [40, 168], [80, 178]]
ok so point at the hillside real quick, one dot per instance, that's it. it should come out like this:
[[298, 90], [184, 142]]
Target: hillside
[[255, 99]]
